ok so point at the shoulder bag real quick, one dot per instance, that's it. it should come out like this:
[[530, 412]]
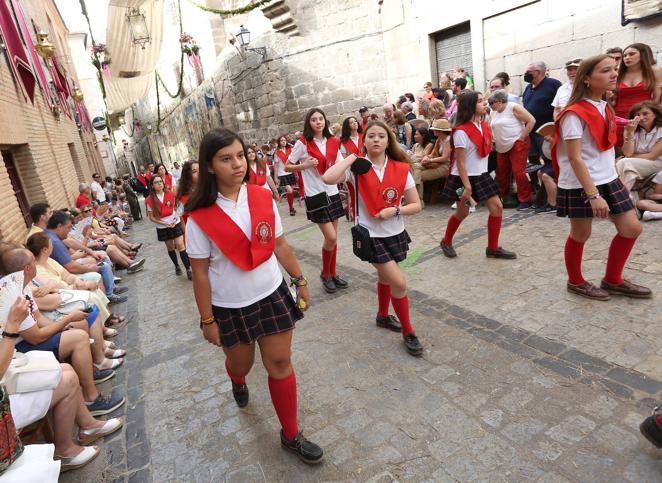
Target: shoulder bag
[[361, 243], [10, 444], [32, 371]]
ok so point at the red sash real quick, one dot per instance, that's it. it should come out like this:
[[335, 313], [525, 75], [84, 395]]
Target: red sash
[[231, 240], [284, 155], [332, 146], [257, 176], [183, 199], [482, 141], [142, 180], [168, 182], [353, 148], [603, 133], [148, 175], [377, 195], [167, 207]]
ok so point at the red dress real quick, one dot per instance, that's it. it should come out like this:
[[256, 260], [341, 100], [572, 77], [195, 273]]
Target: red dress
[[626, 97]]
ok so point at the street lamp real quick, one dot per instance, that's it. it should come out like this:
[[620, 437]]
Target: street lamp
[[138, 27], [244, 38]]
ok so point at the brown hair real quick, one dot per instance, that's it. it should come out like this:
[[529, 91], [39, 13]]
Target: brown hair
[[393, 149], [579, 89], [399, 117], [437, 109], [646, 61], [152, 195], [653, 106], [37, 243]]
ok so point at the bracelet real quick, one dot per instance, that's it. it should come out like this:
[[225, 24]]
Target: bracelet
[[207, 321], [591, 194], [594, 197], [627, 140], [300, 281], [11, 335]]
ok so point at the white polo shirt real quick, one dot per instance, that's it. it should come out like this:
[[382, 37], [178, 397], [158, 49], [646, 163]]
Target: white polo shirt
[[380, 228], [279, 164], [562, 95], [312, 180], [231, 286], [476, 165], [600, 164], [173, 218], [267, 172]]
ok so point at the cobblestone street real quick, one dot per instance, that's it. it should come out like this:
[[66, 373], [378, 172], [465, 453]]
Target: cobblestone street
[[520, 381]]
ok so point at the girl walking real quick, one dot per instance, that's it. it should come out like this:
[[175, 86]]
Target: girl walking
[[258, 172], [285, 179]]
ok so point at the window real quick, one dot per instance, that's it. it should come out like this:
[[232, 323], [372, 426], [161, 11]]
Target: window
[[453, 49], [17, 185]]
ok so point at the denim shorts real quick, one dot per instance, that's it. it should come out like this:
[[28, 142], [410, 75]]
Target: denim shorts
[[52, 344]]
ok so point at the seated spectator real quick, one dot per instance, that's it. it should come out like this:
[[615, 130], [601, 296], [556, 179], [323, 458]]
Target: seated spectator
[[85, 197], [445, 84], [511, 124], [408, 110], [37, 332], [421, 149], [437, 110], [388, 116], [40, 213], [563, 94], [65, 401], [642, 144], [336, 129], [428, 95], [651, 205], [436, 164], [502, 81], [403, 130]]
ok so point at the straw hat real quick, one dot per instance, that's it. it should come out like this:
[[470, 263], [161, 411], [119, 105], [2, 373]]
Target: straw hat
[[441, 125]]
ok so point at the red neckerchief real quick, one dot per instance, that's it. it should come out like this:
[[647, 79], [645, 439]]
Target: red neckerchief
[[284, 155], [142, 180], [332, 146], [377, 195], [353, 148], [482, 141], [231, 240], [167, 206], [603, 133], [168, 182], [148, 175], [257, 176]]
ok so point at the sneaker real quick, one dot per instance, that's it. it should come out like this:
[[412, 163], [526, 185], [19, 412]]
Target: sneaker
[[524, 206], [189, 274], [103, 375], [307, 451], [117, 279], [389, 322], [119, 290], [546, 208], [178, 271], [240, 393], [651, 215], [413, 345], [105, 404], [472, 209], [136, 266], [117, 299]]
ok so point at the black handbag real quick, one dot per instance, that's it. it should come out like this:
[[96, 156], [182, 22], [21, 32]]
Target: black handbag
[[317, 202], [361, 243]]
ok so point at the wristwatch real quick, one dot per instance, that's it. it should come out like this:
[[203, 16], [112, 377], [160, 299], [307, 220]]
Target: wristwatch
[[397, 211], [298, 281]]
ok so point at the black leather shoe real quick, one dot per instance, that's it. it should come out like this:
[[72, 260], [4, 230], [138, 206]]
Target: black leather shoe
[[389, 322], [413, 345], [307, 451], [652, 430], [500, 253], [340, 283], [448, 250], [189, 274], [329, 284], [178, 271], [240, 393]]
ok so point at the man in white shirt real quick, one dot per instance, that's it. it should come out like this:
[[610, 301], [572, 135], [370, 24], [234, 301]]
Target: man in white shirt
[[565, 91], [176, 172], [96, 188]]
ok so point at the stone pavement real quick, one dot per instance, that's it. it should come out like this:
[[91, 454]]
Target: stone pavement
[[520, 381]]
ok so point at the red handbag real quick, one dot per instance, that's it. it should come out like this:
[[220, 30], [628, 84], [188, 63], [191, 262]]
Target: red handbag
[[11, 446]]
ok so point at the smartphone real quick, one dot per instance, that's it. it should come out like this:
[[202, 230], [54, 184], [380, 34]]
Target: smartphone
[[460, 192]]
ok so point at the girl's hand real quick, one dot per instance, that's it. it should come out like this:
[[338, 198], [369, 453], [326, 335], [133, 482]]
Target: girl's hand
[[311, 163], [351, 158], [18, 312], [386, 213], [212, 333], [466, 196], [303, 295], [600, 207]]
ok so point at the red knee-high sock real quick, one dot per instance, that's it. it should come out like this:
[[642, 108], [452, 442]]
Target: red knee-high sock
[[573, 260], [451, 228], [401, 307], [619, 251], [332, 263], [493, 230], [326, 262], [383, 298], [284, 398], [290, 199], [234, 378]]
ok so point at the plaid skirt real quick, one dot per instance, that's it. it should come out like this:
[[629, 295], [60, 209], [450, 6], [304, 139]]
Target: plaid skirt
[[332, 212], [289, 179], [572, 202], [164, 234], [483, 187], [390, 248], [273, 314]]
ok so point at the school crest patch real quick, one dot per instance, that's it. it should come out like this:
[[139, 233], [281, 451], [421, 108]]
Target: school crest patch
[[264, 232]]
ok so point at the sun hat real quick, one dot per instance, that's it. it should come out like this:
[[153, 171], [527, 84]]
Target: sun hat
[[441, 125]]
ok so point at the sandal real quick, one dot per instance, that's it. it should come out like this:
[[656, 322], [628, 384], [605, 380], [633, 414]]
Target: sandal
[[115, 363], [108, 344], [114, 353], [109, 332], [87, 436], [80, 460]]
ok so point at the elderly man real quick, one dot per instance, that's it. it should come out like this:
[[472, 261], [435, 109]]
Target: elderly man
[[498, 83], [97, 189], [537, 99], [84, 196], [563, 94], [408, 109], [389, 118]]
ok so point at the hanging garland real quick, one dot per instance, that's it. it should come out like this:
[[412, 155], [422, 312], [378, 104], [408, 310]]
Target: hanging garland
[[235, 11]]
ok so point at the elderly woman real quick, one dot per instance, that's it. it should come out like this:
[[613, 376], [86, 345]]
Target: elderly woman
[[85, 195], [642, 144], [511, 125]]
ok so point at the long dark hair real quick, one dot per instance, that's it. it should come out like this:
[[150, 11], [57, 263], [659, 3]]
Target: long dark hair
[[346, 131], [645, 60], [185, 185], [425, 134], [152, 194], [308, 133], [156, 169], [206, 191], [466, 107], [393, 149]]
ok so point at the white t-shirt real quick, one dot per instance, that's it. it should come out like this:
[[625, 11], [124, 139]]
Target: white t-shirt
[[312, 180], [29, 321], [231, 286], [472, 160], [173, 218], [268, 173], [600, 164], [99, 194], [176, 174], [562, 95], [645, 141], [279, 164], [380, 228], [506, 128]]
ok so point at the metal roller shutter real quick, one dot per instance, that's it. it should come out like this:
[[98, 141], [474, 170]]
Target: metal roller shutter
[[453, 49]]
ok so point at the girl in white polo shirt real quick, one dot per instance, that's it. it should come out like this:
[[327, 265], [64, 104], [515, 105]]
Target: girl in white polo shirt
[[583, 156], [381, 190], [235, 238], [285, 179], [312, 156], [472, 143], [258, 172]]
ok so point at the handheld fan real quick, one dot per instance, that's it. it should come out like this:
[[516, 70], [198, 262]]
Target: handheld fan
[[78, 230], [11, 287]]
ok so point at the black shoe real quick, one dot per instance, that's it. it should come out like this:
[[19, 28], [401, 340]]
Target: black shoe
[[189, 274], [307, 451], [329, 284], [119, 290], [413, 345], [178, 271], [448, 250], [340, 283], [500, 253], [389, 322], [293, 212], [240, 393], [652, 430]]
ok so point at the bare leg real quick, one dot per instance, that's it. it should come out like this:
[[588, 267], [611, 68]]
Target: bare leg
[[390, 274], [240, 358], [75, 344], [65, 400], [330, 234]]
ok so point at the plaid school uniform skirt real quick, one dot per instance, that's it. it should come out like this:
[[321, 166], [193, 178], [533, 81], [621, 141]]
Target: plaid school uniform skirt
[[483, 187], [390, 248], [332, 212], [273, 314], [573, 204], [289, 179], [165, 234]]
